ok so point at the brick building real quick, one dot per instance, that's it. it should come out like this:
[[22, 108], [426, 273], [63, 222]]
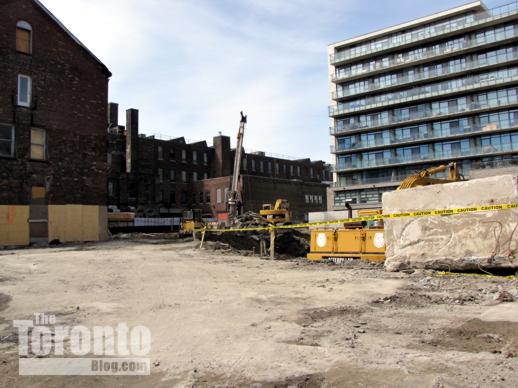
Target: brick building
[[161, 178], [52, 130]]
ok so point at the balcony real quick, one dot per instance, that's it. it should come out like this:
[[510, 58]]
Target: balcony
[[428, 76], [429, 157], [426, 33], [414, 59], [369, 181], [430, 136], [421, 93]]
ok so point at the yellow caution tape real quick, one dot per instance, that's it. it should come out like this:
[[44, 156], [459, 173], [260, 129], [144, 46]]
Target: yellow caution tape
[[446, 273], [420, 213]]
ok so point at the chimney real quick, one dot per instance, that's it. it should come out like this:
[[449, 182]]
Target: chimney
[[223, 161], [113, 114], [131, 140]]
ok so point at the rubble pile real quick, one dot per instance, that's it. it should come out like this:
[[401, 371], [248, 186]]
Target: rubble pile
[[289, 242]]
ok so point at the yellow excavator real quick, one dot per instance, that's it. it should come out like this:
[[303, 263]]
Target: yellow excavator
[[278, 213], [422, 178], [364, 240]]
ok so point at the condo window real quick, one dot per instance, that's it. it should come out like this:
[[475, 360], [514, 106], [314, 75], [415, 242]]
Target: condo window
[[24, 90], [23, 37], [38, 144], [6, 140]]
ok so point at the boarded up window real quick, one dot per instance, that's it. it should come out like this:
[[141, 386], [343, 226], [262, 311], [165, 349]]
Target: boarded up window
[[38, 141], [23, 40]]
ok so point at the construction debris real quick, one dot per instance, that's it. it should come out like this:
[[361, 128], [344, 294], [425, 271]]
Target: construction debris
[[289, 242]]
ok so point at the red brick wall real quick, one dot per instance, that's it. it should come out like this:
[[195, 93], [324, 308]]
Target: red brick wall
[[69, 101]]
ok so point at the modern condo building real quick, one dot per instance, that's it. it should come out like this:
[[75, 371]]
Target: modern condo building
[[437, 89]]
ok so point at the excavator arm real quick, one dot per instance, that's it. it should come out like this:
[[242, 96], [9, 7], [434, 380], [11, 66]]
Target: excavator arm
[[423, 178]]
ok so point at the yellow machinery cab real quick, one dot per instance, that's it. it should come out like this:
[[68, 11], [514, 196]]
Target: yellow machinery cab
[[191, 220]]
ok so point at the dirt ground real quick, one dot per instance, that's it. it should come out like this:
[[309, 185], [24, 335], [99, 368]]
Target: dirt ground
[[222, 319]]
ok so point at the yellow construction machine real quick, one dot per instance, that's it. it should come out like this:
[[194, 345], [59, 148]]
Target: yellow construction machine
[[365, 240], [191, 220], [278, 213], [423, 178]]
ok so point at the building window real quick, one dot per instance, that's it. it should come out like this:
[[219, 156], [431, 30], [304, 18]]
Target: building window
[[298, 171], [159, 196], [218, 196], [24, 90], [172, 176], [184, 156], [269, 167], [276, 168], [261, 166], [184, 176], [183, 198], [23, 37], [194, 176], [160, 153], [38, 144], [201, 197], [207, 196], [160, 175], [244, 163], [205, 175], [194, 157], [110, 189], [226, 194], [253, 164], [172, 198], [6, 140], [291, 170], [311, 172], [205, 158], [194, 197]]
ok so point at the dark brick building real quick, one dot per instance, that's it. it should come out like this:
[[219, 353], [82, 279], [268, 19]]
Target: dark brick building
[[52, 130], [160, 178]]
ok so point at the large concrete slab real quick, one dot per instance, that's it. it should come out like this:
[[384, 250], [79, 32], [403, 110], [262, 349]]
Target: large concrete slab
[[457, 242]]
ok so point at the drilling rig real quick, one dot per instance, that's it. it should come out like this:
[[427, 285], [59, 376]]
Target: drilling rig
[[234, 196]]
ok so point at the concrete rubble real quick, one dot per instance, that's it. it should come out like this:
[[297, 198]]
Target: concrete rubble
[[289, 242], [471, 241]]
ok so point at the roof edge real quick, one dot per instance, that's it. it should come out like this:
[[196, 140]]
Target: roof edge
[[474, 5]]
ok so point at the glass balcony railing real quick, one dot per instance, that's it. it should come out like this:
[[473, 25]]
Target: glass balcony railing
[[428, 157], [432, 53], [427, 113], [425, 33], [420, 93], [368, 181], [430, 136], [431, 75]]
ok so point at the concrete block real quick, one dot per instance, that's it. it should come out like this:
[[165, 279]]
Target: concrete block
[[458, 242]]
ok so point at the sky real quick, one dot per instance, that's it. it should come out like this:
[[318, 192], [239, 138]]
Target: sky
[[190, 66]]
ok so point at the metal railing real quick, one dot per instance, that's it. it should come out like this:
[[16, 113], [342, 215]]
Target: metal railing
[[429, 157], [343, 75], [422, 92], [431, 75], [425, 33], [429, 136]]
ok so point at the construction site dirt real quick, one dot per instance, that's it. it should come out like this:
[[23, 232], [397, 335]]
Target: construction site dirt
[[220, 318]]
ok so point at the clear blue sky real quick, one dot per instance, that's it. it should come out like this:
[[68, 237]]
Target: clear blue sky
[[190, 66]]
